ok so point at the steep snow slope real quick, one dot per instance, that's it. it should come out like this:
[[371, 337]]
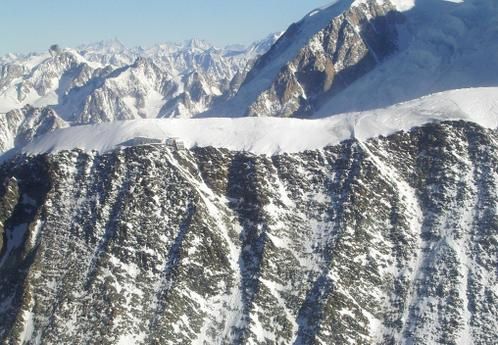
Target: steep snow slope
[[273, 135]]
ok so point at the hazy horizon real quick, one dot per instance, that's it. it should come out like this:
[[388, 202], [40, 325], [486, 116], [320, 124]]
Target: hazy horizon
[[32, 26]]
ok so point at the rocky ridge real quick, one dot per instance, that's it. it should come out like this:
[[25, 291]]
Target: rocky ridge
[[387, 241]]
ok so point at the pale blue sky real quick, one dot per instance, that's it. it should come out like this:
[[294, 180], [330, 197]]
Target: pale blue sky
[[32, 25]]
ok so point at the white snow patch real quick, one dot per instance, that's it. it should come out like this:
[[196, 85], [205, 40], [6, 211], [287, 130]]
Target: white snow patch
[[129, 339], [35, 232], [29, 327], [403, 5]]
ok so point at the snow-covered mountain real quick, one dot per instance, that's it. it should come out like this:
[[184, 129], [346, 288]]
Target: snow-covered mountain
[[106, 81], [374, 221], [363, 54], [20, 127]]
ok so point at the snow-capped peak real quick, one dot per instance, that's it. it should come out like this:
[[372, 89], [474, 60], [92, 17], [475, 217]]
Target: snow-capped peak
[[197, 44], [400, 5], [112, 46]]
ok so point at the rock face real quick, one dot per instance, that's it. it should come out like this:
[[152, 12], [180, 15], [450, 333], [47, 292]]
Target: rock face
[[7, 206], [352, 44], [19, 127], [389, 241], [317, 57]]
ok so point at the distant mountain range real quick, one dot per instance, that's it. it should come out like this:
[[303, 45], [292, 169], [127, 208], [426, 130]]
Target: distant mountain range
[[106, 81]]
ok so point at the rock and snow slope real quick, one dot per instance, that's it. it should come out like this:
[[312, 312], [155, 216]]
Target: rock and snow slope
[[322, 53], [19, 127], [362, 55], [446, 45], [388, 241]]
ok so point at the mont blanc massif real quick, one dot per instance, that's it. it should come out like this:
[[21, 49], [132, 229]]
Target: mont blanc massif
[[336, 183]]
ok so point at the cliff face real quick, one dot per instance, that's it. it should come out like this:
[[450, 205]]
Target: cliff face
[[318, 57], [350, 46], [389, 241]]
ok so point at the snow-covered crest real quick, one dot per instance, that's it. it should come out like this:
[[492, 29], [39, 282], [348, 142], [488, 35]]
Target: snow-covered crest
[[401, 5], [274, 135]]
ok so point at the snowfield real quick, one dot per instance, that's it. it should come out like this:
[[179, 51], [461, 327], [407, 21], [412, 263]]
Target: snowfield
[[276, 135]]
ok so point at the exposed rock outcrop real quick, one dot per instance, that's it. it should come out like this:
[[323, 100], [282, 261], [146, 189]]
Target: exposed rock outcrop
[[389, 241]]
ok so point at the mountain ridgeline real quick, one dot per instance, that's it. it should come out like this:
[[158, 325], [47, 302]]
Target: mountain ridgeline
[[388, 241]]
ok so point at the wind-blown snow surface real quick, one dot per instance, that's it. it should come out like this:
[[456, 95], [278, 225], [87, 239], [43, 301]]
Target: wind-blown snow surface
[[274, 135]]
